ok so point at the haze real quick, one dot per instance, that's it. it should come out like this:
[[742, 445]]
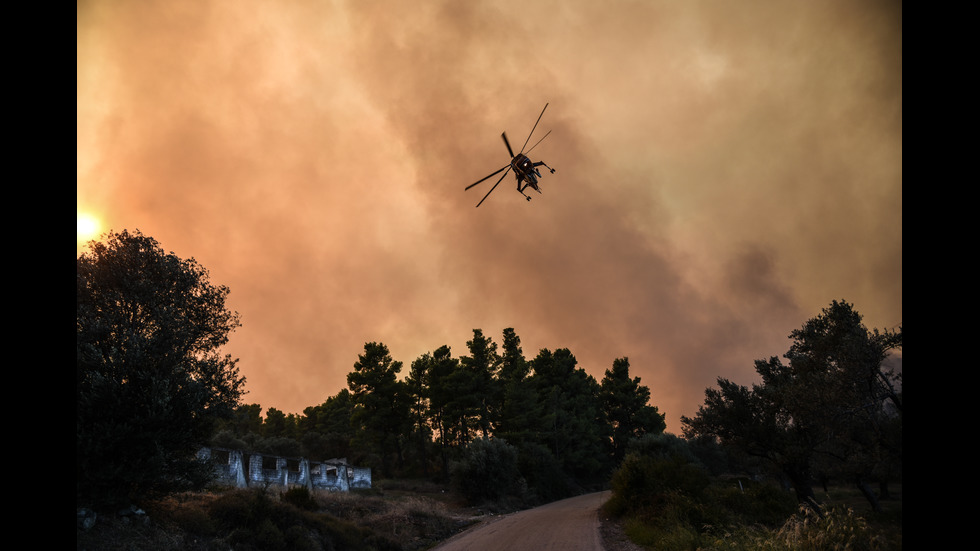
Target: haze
[[725, 170]]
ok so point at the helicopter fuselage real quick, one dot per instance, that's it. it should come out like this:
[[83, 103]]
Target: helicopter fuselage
[[524, 170]]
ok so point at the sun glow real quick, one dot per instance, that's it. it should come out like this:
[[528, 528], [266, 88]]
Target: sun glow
[[88, 227]]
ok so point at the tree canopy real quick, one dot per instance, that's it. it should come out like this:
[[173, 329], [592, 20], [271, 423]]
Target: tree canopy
[[150, 380], [556, 424], [835, 405]]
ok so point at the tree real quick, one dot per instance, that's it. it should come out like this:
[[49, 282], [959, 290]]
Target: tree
[[625, 404], [447, 420], [518, 407], [838, 373], [829, 401], [275, 424], [380, 405], [328, 429], [488, 471], [755, 422], [246, 418], [571, 423], [480, 369], [150, 381], [416, 385]]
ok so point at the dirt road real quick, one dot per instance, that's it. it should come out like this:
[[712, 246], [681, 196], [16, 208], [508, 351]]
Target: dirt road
[[568, 525]]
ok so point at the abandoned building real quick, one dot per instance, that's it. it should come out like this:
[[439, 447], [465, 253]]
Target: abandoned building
[[244, 469]]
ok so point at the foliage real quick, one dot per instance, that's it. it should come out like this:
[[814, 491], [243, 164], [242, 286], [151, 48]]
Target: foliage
[[546, 480], [487, 471], [625, 404], [409, 517], [667, 502], [570, 419], [381, 407], [560, 420], [654, 485], [481, 391], [150, 382], [834, 402], [255, 520], [301, 497]]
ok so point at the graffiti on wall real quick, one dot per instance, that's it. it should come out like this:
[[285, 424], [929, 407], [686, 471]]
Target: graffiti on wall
[[244, 469]]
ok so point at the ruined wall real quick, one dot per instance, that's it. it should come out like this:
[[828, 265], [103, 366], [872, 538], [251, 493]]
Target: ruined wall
[[243, 469]]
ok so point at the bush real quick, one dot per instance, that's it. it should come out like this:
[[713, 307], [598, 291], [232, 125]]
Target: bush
[[646, 485], [546, 481], [488, 471], [662, 445], [754, 503], [258, 521], [301, 497], [241, 508]]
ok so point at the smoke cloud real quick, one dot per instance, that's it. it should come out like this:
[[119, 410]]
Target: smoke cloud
[[724, 171]]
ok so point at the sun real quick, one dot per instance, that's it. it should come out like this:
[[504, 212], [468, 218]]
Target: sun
[[88, 227]]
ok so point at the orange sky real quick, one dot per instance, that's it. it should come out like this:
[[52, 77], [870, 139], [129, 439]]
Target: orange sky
[[725, 170]]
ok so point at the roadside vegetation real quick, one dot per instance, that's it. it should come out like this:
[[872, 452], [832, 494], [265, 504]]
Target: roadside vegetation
[[410, 516], [666, 498]]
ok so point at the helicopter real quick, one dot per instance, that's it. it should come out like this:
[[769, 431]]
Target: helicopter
[[525, 170]]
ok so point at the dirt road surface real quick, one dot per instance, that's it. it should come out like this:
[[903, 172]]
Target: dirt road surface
[[568, 525]]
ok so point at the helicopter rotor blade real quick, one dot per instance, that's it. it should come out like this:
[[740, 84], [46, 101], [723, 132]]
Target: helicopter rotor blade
[[494, 186], [535, 126], [509, 150], [539, 141], [485, 177]]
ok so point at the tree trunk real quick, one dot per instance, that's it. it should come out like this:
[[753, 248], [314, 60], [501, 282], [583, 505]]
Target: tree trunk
[[869, 495], [802, 485]]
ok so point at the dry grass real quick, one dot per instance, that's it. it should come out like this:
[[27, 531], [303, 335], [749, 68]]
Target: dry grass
[[848, 524], [406, 517]]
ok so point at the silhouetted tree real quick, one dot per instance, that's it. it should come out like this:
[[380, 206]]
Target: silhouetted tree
[[246, 418], [571, 422], [380, 414], [516, 419], [328, 428], [828, 401], [480, 369], [488, 471], [150, 381], [626, 407], [275, 424], [838, 374], [416, 386], [446, 419]]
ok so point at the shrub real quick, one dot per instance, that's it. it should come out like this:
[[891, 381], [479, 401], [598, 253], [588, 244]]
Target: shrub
[[241, 508], [300, 539], [647, 484], [754, 503], [268, 537], [301, 497], [488, 470], [545, 479]]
